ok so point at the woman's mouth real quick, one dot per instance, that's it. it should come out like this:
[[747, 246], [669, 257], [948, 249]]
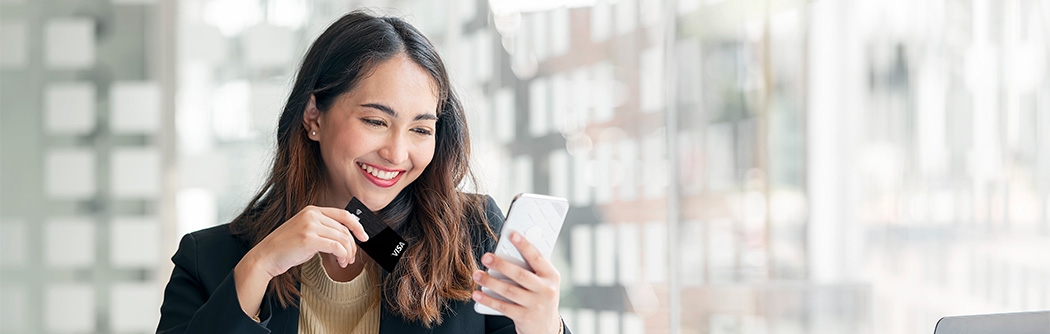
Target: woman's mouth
[[380, 177]]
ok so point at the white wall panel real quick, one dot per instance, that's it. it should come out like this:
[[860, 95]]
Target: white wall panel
[[633, 324], [608, 322], [601, 21], [70, 308], [586, 322], [267, 46], [582, 255], [558, 162], [135, 242], [655, 243], [605, 252], [504, 107], [135, 107], [627, 159], [70, 173], [135, 172], [69, 108], [135, 307], [70, 43], [629, 253], [69, 242]]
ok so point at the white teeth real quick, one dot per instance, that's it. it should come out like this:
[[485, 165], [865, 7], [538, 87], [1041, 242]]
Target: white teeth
[[378, 173]]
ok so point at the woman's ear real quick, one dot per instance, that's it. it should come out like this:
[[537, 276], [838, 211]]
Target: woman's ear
[[312, 119]]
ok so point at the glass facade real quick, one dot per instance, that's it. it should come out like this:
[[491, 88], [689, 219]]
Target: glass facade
[[733, 166], [84, 128]]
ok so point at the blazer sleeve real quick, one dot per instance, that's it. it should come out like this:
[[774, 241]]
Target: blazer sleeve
[[189, 306], [497, 324]]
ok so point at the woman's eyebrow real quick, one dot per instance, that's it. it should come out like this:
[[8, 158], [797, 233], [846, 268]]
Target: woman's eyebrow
[[381, 107], [429, 117], [391, 112]]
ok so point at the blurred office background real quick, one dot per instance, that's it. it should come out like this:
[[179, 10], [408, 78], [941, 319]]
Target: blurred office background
[[734, 166]]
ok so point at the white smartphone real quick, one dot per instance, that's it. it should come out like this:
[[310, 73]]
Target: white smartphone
[[539, 219]]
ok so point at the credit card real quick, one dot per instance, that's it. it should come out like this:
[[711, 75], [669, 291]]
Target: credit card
[[384, 245]]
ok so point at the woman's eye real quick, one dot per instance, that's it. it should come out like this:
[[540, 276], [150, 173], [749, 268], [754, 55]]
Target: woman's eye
[[423, 131], [373, 122]]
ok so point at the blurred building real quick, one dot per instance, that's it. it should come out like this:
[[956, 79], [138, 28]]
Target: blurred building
[[734, 166]]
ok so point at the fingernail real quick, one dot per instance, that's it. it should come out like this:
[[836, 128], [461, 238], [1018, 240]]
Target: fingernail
[[486, 259], [477, 296], [516, 237], [477, 275]]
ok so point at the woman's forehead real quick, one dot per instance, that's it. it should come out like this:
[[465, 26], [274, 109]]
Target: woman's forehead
[[400, 84]]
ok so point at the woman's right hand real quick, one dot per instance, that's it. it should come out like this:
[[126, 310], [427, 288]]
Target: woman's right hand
[[312, 230]]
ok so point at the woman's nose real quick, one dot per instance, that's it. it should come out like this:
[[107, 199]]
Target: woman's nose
[[395, 151]]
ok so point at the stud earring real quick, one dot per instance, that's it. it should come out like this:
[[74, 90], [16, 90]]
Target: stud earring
[[313, 133]]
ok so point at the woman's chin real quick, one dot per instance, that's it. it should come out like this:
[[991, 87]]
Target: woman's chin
[[375, 203]]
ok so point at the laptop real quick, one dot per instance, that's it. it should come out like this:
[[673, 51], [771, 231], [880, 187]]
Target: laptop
[[1003, 323]]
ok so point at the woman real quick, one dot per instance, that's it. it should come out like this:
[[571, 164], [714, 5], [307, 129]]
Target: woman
[[372, 115]]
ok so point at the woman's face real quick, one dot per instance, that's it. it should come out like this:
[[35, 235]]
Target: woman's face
[[378, 137]]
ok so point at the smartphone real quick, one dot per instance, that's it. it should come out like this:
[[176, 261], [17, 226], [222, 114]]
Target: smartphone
[[539, 219]]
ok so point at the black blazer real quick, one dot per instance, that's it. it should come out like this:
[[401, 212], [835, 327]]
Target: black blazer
[[201, 296]]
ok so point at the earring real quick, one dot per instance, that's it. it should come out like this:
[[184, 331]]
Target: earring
[[313, 133]]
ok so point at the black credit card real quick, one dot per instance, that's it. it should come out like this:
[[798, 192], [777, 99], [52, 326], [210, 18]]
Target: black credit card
[[384, 245]]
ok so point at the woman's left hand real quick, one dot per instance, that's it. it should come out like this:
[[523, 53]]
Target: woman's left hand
[[535, 302]]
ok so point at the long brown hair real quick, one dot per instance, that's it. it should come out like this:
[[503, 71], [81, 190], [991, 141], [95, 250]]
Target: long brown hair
[[431, 212]]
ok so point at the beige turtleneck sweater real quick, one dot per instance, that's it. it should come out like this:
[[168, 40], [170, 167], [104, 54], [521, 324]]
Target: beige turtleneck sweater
[[327, 306]]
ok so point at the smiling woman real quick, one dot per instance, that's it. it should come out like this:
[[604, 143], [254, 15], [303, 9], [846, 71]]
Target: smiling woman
[[371, 150], [371, 116]]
